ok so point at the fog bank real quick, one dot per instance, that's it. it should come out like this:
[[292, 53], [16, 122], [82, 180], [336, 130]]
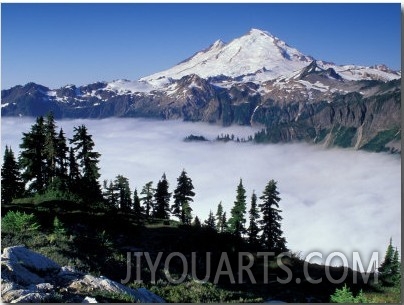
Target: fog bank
[[332, 199]]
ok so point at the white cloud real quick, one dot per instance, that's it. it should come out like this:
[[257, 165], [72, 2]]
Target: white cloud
[[332, 199]]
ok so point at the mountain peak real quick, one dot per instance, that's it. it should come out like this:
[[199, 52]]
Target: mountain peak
[[244, 55]]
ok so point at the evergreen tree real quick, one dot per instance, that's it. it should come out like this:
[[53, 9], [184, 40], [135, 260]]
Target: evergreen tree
[[32, 157], [11, 182], [50, 148], [271, 238], [74, 173], [88, 160], [147, 197], [224, 226], [237, 220], [162, 199], [61, 156], [121, 185], [389, 270], [219, 217], [253, 229], [182, 197], [210, 222], [137, 209], [196, 223]]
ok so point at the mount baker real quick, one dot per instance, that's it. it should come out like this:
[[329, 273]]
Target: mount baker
[[256, 79]]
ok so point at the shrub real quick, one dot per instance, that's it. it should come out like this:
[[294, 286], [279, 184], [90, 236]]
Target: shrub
[[17, 222], [345, 295]]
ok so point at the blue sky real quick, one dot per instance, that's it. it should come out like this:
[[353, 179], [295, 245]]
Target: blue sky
[[59, 44]]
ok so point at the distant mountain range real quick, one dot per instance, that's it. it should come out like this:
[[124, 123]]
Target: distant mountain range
[[256, 79]]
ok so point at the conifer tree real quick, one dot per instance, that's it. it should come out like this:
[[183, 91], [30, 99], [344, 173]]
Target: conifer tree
[[11, 182], [271, 238], [237, 220], [121, 185], [219, 216], [389, 270], [74, 173], [224, 225], [61, 156], [196, 223], [50, 148], [253, 229], [147, 198], [182, 197], [32, 157], [162, 199], [137, 209], [210, 222], [88, 160]]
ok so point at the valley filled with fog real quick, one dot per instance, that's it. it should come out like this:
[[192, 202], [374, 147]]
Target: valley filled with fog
[[332, 199]]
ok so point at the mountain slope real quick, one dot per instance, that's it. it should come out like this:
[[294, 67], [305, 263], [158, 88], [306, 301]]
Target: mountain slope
[[256, 79]]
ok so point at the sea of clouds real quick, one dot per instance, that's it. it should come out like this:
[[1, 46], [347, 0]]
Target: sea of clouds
[[331, 199]]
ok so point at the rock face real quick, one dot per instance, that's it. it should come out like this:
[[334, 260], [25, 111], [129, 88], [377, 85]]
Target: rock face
[[29, 277]]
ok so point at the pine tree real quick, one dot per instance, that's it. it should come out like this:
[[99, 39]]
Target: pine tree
[[11, 182], [88, 160], [137, 209], [61, 156], [210, 222], [237, 220], [196, 223], [74, 176], [253, 229], [121, 185], [32, 157], [271, 238], [389, 270], [182, 197], [50, 148], [224, 225], [162, 199], [219, 217], [147, 197]]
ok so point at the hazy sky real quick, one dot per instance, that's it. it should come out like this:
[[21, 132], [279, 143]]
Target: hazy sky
[[59, 44], [332, 199]]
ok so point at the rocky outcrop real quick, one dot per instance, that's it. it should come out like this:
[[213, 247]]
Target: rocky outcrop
[[30, 277]]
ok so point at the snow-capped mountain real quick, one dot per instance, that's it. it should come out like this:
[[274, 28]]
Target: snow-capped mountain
[[259, 56], [257, 50], [256, 79]]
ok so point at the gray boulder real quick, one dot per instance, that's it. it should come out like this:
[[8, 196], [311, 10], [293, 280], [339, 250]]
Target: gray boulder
[[30, 277]]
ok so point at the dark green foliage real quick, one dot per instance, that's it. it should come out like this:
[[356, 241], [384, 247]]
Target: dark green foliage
[[390, 269], [182, 197], [32, 159], [378, 143], [271, 238], [147, 197], [219, 217], [196, 223], [224, 224], [87, 158], [193, 138], [121, 184], [237, 220], [210, 222], [50, 148], [137, 209], [253, 229], [61, 157], [344, 295], [162, 199], [11, 182], [17, 222], [343, 136]]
